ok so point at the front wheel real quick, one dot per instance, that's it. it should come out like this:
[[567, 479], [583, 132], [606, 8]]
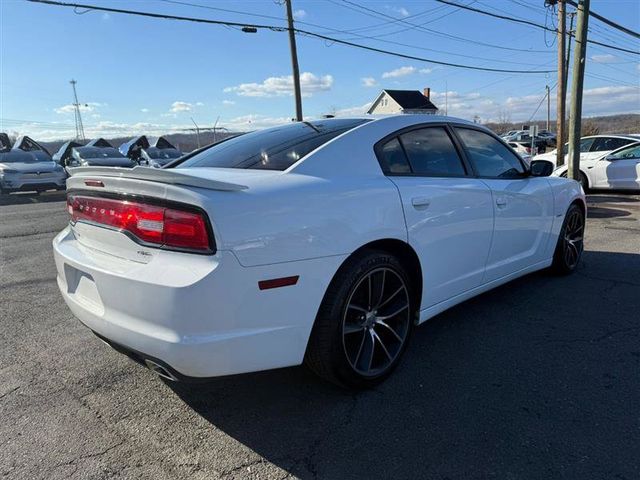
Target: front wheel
[[570, 242], [364, 323]]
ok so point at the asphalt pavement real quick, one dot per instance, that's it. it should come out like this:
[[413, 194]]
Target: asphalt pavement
[[539, 378]]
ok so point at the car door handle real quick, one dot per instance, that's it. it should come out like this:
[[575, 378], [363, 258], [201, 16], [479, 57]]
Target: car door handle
[[420, 203], [501, 201]]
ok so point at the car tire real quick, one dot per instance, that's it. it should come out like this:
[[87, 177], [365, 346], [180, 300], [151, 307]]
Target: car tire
[[584, 181], [364, 323], [570, 243]]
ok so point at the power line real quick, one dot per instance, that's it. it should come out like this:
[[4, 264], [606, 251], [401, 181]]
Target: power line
[[366, 37], [529, 23], [611, 23], [281, 29], [541, 101], [378, 14]]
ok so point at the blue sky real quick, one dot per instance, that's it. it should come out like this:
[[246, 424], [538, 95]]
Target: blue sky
[[142, 75]]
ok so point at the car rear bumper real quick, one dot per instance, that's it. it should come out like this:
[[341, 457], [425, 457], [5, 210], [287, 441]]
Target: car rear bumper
[[200, 316]]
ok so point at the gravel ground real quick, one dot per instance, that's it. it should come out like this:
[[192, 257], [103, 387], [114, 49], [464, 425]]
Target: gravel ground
[[537, 379]]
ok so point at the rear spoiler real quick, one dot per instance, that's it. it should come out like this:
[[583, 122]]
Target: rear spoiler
[[159, 175]]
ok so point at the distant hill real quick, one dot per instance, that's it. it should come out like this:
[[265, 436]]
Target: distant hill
[[625, 123]]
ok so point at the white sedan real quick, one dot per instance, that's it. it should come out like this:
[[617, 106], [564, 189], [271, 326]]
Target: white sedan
[[321, 242], [619, 169]]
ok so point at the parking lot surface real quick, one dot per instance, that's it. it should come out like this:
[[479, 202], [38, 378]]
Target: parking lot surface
[[539, 378]]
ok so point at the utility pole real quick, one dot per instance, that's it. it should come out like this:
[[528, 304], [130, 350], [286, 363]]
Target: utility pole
[[76, 111], [570, 34], [197, 131], [214, 129], [562, 87], [579, 60], [294, 62], [446, 98], [548, 107]]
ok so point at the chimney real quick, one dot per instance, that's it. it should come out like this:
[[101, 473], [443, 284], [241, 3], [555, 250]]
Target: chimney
[[427, 93]]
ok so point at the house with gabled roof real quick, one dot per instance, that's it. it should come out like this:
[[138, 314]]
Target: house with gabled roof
[[403, 101]]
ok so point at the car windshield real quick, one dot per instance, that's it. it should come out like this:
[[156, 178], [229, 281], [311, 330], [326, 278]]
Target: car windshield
[[18, 157], [92, 152], [631, 152], [274, 148], [162, 153]]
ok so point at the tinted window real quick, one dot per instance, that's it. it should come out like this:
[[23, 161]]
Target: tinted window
[[631, 152], [490, 157], [431, 152], [393, 158], [271, 149], [605, 144]]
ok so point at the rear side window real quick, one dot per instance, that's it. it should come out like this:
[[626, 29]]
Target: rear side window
[[489, 157], [393, 157], [273, 148], [431, 152]]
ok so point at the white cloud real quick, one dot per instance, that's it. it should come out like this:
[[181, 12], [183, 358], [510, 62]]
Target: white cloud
[[425, 70], [403, 12], [144, 110], [369, 82], [353, 111], [280, 86], [399, 72], [178, 107], [607, 100], [299, 14], [228, 102], [84, 107], [606, 58], [199, 104]]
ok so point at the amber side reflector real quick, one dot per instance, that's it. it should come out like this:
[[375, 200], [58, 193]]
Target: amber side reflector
[[278, 282], [93, 183]]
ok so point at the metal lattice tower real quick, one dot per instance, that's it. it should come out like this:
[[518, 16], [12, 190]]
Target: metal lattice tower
[[76, 111]]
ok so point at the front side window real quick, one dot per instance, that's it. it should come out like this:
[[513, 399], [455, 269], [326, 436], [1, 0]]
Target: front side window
[[432, 153], [490, 157], [271, 149]]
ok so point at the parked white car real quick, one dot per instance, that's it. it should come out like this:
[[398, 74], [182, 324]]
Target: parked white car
[[619, 169], [592, 147], [324, 242]]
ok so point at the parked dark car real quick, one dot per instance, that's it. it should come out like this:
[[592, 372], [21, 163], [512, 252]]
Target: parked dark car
[[100, 153], [150, 151]]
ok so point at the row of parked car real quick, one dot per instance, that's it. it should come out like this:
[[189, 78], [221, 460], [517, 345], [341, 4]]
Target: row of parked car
[[27, 165], [606, 162], [522, 142]]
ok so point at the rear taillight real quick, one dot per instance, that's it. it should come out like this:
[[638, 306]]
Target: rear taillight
[[150, 224]]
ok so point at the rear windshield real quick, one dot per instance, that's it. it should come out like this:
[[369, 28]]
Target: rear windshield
[[274, 148]]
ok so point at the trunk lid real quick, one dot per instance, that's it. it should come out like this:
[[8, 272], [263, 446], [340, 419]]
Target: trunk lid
[[182, 189]]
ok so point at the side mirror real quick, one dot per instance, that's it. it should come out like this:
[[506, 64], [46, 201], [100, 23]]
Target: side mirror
[[611, 158], [541, 168]]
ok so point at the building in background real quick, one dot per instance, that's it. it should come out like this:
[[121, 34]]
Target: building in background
[[403, 101]]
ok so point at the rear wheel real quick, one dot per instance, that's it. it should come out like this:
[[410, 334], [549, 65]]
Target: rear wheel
[[570, 242], [364, 322]]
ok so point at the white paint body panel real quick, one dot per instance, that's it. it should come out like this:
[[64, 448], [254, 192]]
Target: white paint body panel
[[205, 316]]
